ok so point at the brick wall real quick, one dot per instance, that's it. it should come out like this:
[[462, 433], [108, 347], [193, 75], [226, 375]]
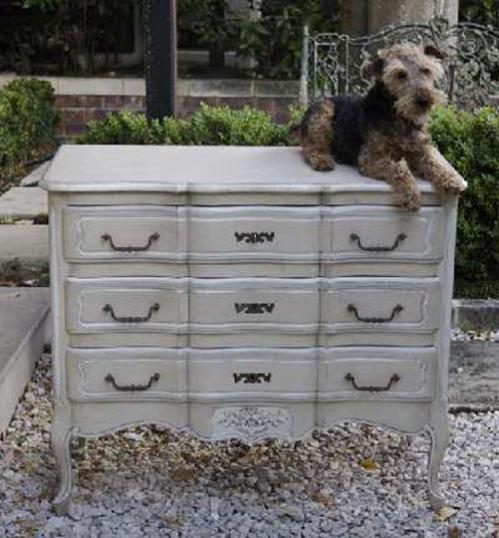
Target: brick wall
[[80, 100], [76, 111]]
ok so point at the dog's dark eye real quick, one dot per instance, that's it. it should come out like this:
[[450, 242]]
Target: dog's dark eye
[[401, 75], [425, 71]]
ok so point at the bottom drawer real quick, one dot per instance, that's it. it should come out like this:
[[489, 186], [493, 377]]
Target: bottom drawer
[[126, 374], [377, 374]]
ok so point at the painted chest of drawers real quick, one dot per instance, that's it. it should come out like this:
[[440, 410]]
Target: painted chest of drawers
[[234, 292]]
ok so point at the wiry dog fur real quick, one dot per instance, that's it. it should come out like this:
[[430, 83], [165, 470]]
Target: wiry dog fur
[[384, 131]]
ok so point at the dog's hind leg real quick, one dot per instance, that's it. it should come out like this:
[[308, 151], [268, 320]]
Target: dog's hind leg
[[316, 135]]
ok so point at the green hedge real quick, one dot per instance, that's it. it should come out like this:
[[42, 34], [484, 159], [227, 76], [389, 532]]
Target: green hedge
[[469, 141], [207, 126], [27, 120]]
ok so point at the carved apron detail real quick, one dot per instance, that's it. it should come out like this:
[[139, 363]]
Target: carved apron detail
[[251, 422]]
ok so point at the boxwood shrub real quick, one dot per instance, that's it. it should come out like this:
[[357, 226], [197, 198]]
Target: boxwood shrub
[[470, 141], [207, 126], [27, 120]]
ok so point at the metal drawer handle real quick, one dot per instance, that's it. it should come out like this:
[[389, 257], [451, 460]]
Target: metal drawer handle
[[254, 237], [393, 379], [254, 308], [396, 309], [252, 377], [379, 248], [152, 238], [132, 388], [130, 319]]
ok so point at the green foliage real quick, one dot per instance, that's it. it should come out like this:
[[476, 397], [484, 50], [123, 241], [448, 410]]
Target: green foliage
[[27, 120], [43, 4], [224, 126], [207, 126], [470, 142], [275, 39], [480, 11], [123, 128]]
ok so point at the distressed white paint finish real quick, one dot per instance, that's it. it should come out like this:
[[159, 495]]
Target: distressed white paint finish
[[414, 367], [263, 301], [383, 228], [88, 369], [86, 231]]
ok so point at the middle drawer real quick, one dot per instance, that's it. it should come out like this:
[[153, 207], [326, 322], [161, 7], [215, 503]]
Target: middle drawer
[[239, 312]]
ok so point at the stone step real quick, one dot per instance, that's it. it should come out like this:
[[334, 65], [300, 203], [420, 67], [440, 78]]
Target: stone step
[[24, 204], [474, 374], [468, 314], [24, 252], [34, 177], [24, 330]]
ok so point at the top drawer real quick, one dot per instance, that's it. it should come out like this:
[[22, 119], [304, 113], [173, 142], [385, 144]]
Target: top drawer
[[384, 233], [126, 232], [254, 233]]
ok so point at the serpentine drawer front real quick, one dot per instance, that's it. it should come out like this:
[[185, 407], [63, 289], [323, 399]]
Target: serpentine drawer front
[[236, 293], [118, 233]]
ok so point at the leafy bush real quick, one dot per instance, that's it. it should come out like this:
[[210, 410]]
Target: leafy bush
[[123, 128], [27, 120], [207, 126], [471, 143]]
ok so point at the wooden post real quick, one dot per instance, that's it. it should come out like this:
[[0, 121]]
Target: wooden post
[[160, 57]]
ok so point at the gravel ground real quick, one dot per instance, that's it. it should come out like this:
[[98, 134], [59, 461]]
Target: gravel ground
[[350, 481]]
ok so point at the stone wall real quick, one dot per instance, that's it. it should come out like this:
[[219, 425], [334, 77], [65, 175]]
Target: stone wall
[[80, 100]]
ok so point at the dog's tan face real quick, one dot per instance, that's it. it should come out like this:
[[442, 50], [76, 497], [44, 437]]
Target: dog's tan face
[[409, 73]]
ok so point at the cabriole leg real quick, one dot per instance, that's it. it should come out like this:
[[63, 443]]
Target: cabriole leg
[[439, 435], [60, 439]]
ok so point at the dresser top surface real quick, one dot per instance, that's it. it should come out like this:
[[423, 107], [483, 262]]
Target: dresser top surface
[[205, 169]]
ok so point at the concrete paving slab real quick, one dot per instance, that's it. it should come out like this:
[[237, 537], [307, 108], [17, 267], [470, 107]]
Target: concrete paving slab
[[23, 333], [23, 204], [474, 374]]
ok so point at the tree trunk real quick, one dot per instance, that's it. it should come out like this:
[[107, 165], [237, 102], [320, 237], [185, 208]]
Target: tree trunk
[[383, 13], [451, 11], [362, 17]]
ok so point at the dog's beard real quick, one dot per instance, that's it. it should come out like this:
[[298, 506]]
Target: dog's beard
[[408, 109]]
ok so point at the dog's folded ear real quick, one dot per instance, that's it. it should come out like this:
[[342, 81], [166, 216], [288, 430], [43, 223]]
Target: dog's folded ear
[[431, 50], [373, 68]]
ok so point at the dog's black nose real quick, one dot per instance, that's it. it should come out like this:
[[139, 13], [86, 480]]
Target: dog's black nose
[[423, 102]]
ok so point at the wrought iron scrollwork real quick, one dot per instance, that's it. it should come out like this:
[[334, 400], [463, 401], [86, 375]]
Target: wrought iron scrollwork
[[396, 309], [152, 238], [372, 388], [131, 319], [333, 62]]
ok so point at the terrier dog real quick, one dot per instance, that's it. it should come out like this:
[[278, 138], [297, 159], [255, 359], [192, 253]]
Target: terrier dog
[[383, 133]]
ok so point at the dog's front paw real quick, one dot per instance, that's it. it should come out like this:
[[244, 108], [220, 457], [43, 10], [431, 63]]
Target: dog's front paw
[[321, 162], [410, 199], [454, 184]]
